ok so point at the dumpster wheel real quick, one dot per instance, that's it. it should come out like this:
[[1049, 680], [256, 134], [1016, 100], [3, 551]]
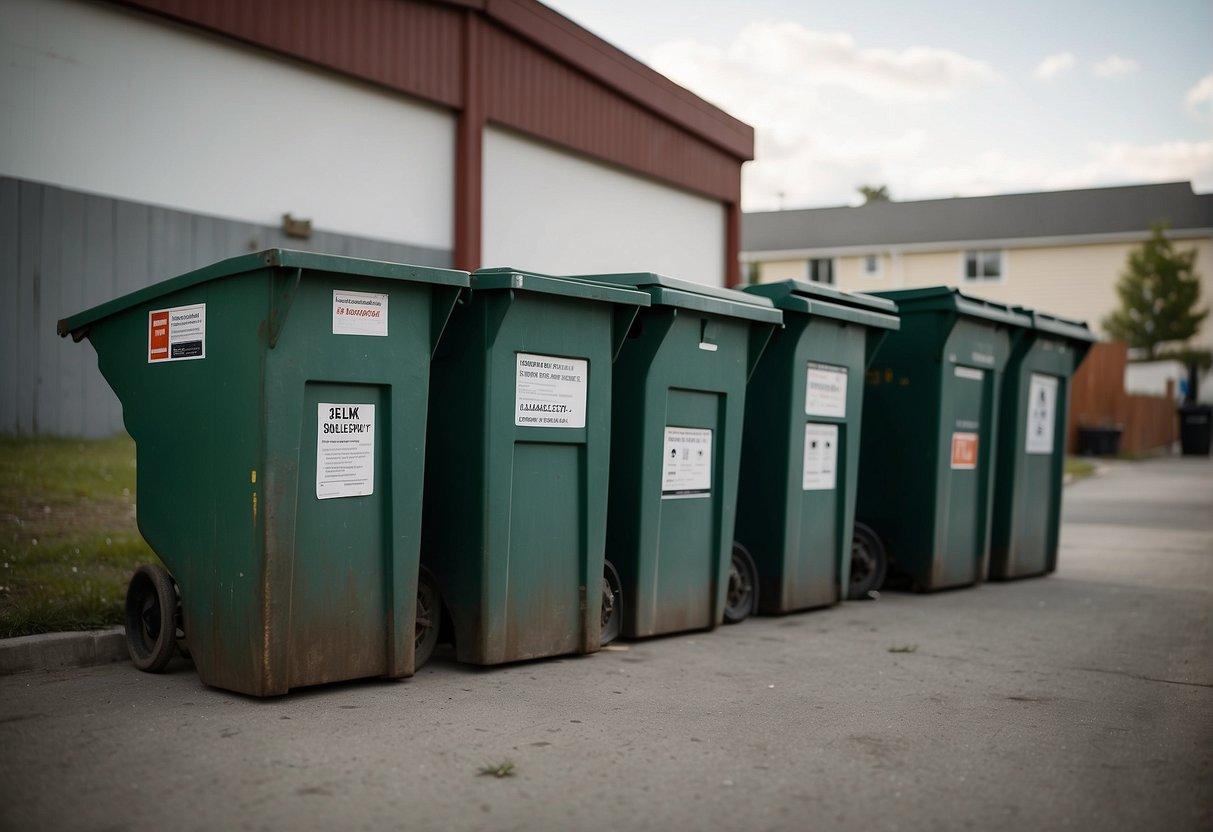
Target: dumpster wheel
[[742, 597], [612, 599], [869, 563], [428, 618], [151, 618]]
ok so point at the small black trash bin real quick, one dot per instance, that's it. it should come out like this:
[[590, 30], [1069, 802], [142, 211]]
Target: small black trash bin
[[1194, 429]]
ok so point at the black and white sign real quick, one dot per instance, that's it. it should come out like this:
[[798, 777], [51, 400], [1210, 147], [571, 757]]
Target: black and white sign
[[820, 457], [1042, 408], [549, 392], [686, 468], [176, 334], [345, 450], [826, 391], [359, 313]]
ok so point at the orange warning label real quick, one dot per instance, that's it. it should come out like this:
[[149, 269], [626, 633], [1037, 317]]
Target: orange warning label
[[964, 450], [157, 336], [176, 334]]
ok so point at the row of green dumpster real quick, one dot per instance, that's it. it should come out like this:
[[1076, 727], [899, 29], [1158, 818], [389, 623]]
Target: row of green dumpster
[[341, 462]]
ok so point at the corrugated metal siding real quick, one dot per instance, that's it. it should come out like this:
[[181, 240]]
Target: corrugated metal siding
[[407, 46], [597, 58], [63, 251], [528, 90]]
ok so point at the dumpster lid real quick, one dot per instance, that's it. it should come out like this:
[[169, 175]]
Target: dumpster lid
[[507, 278], [673, 291], [826, 301], [1056, 325], [781, 289], [949, 299], [286, 258]]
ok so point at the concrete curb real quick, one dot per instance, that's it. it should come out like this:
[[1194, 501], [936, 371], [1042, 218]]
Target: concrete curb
[[49, 651]]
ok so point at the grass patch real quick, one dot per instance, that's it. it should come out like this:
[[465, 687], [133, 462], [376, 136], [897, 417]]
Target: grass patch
[[68, 537], [502, 769], [1078, 467]]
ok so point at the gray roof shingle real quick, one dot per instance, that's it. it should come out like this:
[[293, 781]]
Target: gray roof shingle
[[1007, 216]]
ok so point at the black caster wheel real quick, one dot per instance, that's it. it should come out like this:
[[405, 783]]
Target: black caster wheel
[[742, 598], [151, 618], [869, 563], [612, 598], [428, 618]]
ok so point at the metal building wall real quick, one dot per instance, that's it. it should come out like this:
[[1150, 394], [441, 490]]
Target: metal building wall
[[62, 251]]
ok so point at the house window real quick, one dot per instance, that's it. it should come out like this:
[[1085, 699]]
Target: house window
[[983, 264], [821, 270], [871, 265]]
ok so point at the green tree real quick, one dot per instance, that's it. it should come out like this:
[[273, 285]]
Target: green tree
[[874, 193], [1159, 292]]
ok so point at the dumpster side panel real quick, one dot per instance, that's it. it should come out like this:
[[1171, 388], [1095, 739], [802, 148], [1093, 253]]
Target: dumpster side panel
[[339, 586], [966, 434], [1028, 490], [684, 373], [819, 560], [687, 557], [516, 519], [341, 561], [196, 423], [975, 355]]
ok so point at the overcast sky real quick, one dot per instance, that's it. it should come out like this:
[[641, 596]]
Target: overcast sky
[[938, 98]]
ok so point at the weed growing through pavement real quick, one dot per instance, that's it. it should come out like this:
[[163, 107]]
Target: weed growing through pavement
[[502, 769]]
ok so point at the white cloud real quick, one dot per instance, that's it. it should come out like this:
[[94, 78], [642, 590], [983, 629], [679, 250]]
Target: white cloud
[[1110, 163], [1114, 65], [828, 114], [791, 54], [1121, 162], [1199, 99], [1055, 65]]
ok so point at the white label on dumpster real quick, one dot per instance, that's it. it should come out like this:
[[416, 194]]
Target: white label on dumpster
[[968, 373], [549, 392], [820, 457], [345, 450], [686, 467], [1042, 405], [176, 334], [826, 391], [359, 313]]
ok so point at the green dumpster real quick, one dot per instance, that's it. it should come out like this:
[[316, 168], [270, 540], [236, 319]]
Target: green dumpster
[[1032, 445], [516, 473], [929, 431], [800, 459], [278, 404], [677, 415]]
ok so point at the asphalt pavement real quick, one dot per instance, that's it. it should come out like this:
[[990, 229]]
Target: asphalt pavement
[[1079, 701]]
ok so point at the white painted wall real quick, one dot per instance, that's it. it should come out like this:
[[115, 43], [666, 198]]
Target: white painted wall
[[119, 103], [550, 211]]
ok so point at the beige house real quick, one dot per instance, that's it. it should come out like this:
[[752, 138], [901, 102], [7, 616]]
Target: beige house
[[1057, 251]]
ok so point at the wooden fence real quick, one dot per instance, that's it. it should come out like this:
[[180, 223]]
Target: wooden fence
[[1098, 398]]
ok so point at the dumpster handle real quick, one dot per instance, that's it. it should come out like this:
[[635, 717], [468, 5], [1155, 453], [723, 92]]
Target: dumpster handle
[[442, 308], [278, 317], [874, 339], [760, 336], [624, 317]]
